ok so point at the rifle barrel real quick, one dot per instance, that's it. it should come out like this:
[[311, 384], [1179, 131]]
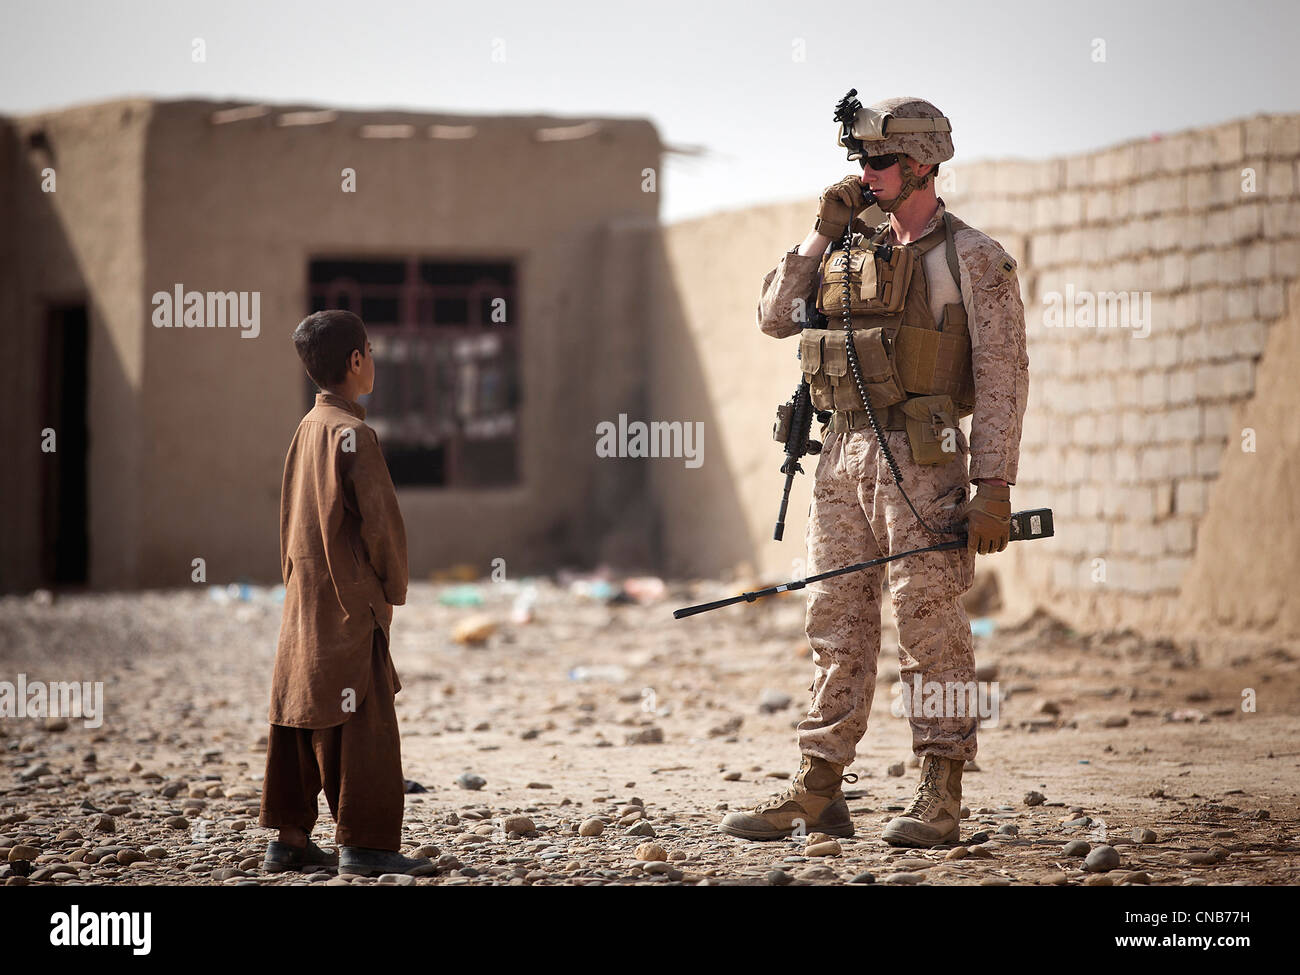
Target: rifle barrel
[[785, 503]]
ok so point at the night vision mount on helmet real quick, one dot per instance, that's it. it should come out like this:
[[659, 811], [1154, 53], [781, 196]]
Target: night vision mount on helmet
[[906, 126]]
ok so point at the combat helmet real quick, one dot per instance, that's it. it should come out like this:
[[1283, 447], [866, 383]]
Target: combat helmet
[[907, 125]]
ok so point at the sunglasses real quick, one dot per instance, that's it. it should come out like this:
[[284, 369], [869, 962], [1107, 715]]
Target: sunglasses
[[879, 162]]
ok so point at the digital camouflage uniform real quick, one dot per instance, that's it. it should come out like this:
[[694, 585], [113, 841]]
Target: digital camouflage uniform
[[858, 513]]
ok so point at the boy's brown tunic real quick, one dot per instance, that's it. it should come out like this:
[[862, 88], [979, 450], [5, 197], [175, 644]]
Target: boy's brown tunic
[[343, 559]]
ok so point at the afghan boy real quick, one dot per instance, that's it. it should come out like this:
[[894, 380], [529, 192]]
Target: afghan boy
[[343, 559]]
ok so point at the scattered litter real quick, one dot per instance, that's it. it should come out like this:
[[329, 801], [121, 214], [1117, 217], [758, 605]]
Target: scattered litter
[[461, 596], [600, 590], [522, 610], [462, 572], [243, 592], [645, 589], [474, 630]]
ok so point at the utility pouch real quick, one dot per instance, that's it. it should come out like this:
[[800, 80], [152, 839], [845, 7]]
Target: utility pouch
[[928, 420], [824, 356], [876, 286], [810, 360], [825, 365], [879, 369], [781, 429]]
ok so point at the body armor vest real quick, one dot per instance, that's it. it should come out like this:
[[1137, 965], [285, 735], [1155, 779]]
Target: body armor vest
[[902, 353]]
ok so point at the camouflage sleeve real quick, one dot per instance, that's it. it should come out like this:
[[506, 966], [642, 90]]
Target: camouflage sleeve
[[787, 299], [999, 358]]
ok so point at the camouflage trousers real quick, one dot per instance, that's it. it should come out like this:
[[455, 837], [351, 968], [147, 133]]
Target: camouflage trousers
[[858, 514]]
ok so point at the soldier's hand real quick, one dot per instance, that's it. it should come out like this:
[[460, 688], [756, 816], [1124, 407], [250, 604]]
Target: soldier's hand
[[837, 206], [988, 518]]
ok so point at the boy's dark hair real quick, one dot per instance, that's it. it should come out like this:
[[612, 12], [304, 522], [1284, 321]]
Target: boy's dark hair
[[325, 341]]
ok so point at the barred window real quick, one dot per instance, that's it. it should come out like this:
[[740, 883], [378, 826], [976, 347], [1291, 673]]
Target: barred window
[[445, 337]]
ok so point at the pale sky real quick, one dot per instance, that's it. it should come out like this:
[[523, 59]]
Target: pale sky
[[753, 83]]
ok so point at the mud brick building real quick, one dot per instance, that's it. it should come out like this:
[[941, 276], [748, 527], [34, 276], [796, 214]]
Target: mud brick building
[[170, 441]]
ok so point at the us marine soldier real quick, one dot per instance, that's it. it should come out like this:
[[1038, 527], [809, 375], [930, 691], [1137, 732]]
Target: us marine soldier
[[938, 333]]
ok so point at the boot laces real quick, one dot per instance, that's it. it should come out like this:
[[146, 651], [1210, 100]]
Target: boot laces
[[793, 790], [927, 793]]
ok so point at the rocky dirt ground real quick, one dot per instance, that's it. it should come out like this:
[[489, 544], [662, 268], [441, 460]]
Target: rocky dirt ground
[[612, 719]]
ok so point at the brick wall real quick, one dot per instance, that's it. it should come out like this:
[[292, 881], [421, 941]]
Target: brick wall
[[1131, 421]]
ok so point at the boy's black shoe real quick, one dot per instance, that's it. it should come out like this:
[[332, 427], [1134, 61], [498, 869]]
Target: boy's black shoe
[[361, 861], [282, 856]]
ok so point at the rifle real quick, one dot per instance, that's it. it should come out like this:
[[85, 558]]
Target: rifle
[[1035, 523], [793, 424]]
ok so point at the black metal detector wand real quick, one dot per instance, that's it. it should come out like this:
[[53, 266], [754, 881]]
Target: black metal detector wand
[[1035, 523]]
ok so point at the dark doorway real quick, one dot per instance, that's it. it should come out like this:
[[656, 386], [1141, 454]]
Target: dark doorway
[[64, 542]]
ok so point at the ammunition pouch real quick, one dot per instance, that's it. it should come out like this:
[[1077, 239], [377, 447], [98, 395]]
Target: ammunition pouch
[[931, 424], [876, 286], [823, 354]]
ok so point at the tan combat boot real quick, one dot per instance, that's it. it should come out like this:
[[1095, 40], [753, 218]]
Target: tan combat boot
[[814, 800], [934, 817]]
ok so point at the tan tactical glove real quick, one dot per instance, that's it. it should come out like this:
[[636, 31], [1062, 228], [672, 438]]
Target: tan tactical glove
[[837, 206], [988, 518]]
